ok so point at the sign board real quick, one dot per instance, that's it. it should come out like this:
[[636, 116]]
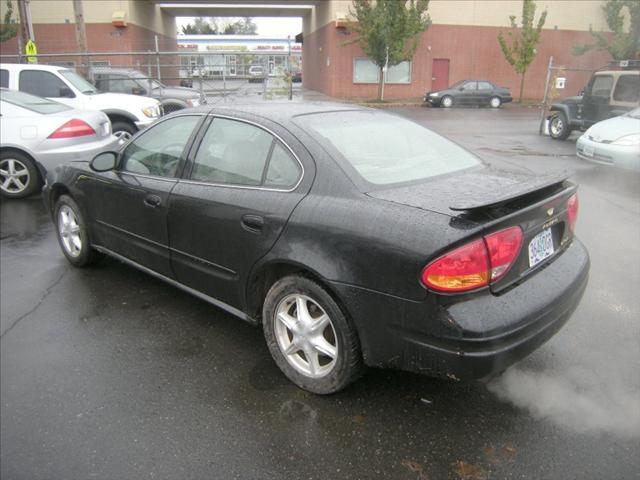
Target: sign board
[[560, 82], [30, 49]]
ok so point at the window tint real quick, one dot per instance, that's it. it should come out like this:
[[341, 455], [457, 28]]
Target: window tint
[[158, 150], [470, 86], [4, 78], [485, 86], [627, 88], [232, 152], [384, 149], [43, 84], [601, 86], [283, 171]]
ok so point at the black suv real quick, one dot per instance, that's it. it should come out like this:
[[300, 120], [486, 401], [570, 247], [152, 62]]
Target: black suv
[[126, 80], [608, 94]]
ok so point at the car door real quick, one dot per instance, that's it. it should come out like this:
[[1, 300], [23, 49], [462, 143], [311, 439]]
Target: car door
[[467, 93], [129, 205], [484, 93], [228, 211], [596, 100]]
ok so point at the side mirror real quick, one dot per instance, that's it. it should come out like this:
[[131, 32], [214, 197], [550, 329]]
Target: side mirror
[[103, 162], [138, 91], [66, 92]]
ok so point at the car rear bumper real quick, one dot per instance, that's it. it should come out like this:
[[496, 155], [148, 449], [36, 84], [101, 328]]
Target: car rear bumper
[[474, 337], [49, 159], [608, 154]]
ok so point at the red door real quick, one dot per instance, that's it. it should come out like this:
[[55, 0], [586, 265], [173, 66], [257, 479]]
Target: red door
[[440, 74]]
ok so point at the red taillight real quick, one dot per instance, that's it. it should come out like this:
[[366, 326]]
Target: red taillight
[[475, 264], [572, 211], [73, 128], [503, 247]]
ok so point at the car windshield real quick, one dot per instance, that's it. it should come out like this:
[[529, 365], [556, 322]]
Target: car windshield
[[33, 103], [635, 113], [385, 149], [154, 83], [77, 81], [457, 84]]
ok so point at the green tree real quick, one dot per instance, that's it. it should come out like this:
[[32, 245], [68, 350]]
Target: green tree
[[242, 26], [8, 29], [622, 45], [200, 26], [388, 31], [521, 48]]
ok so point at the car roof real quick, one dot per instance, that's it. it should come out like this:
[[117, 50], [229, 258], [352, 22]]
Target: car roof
[[38, 66]]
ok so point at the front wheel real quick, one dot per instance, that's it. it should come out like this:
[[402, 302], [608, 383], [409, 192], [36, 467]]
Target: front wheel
[[559, 126], [309, 337], [446, 102], [19, 175], [72, 233], [495, 102]]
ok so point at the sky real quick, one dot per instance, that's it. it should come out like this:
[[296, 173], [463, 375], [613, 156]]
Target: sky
[[267, 26]]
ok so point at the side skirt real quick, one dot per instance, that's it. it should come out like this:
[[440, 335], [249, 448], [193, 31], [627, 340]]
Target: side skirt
[[217, 303]]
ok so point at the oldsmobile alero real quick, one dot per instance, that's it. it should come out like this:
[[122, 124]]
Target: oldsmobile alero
[[354, 237]]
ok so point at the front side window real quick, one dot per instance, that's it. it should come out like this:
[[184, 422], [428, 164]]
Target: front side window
[[42, 84], [601, 86], [470, 86], [233, 153], [77, 81], [384, 149], [627, 88], [158, 150]]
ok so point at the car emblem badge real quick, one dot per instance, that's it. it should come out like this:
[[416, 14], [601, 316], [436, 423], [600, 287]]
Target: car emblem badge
[[550, 211]]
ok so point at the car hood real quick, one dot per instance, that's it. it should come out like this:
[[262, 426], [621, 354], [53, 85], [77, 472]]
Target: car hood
[[473, 189], [571, 100], [614, 128], [102, 101], [176, 92]]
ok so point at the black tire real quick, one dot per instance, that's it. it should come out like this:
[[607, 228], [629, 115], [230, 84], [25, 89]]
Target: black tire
[[495, 102], [14, 185], [87, 254], [124, 130], [559, 128], [347, 366], [446, 101]]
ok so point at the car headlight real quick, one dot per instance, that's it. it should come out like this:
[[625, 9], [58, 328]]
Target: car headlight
[[152, 112], [434, 94], [628, 140]]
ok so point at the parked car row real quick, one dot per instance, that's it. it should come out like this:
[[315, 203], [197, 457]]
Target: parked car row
[[469, 92]]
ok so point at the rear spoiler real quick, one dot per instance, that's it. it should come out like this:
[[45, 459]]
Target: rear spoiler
[[520, 189]]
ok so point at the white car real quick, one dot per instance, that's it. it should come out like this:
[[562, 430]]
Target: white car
[[615, 141], [128, 113], [37, 134]]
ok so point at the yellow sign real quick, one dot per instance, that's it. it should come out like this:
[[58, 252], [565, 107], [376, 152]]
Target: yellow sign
[[30, 49]]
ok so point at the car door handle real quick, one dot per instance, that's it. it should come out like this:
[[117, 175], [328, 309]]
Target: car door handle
[[152, 201], [252, 223]]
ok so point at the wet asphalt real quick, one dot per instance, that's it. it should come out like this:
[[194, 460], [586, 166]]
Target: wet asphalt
[[106, 373]]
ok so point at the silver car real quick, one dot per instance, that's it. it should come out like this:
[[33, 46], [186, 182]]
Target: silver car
[[36, 134], [615, 141]]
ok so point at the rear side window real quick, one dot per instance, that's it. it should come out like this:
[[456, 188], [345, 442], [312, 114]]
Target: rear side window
[[233, 153], [283, 170], [4, 78], [470, 86], [627, 88], [485, 86], [43, 84]]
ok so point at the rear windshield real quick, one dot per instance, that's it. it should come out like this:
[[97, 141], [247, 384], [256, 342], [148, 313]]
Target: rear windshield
[[33, 103], [384, 149]]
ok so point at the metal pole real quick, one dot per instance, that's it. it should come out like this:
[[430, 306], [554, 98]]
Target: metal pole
[[149, 89], [289, 69], [81, 32], [224, 77], [158, 59], [543, 110], [24, 25]]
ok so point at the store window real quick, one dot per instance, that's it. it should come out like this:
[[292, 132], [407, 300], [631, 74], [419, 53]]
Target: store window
[[365, 71]]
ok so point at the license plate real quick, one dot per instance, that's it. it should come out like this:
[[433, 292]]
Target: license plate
[[540, 247], [589, 150]]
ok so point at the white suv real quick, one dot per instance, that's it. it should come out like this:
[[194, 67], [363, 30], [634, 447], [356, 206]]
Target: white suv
[[128, 113]]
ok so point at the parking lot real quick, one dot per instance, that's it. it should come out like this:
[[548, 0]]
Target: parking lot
[[107, 373]]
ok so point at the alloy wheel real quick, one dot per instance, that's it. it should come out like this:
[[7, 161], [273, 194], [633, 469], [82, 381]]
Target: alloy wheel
[[123, 136], [495, 102], [557, 125], [14, 176], [306, 336], [69, 231]]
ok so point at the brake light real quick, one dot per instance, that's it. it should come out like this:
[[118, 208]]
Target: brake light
[[572, 211], [474, 265], [73, 128]]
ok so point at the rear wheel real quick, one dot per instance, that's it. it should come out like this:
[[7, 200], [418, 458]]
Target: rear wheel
[[309, 337], [446, 102], [495, 102], [123, 130], [559, 126], [19, 176], [72, 233]]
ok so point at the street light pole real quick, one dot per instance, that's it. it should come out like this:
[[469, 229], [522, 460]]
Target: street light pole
[[289, 68]]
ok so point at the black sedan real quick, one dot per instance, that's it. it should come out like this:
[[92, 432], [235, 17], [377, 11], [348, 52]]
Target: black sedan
[[354, 237], [469, 92]]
